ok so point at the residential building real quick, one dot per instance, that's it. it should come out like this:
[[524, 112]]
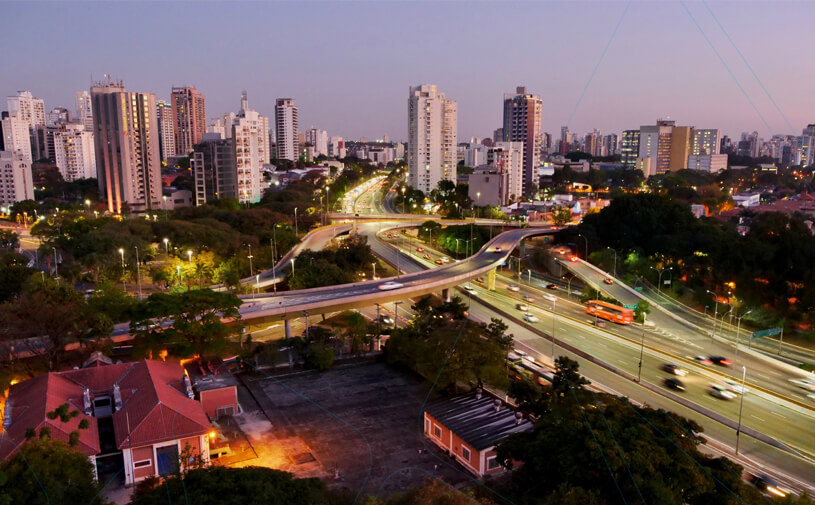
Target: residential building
[[16, 183], [27, 107], [706, 141], [488, 185], [128, 161], [432, 137], [189, 118], [468, 427], [318, 139], [250, 135], [510, 157], [498, 135], [681, 140], [173, 198], [336, 148], [286, 133], [140, 416], [213, 166], [707, 162], [222, 125], [522, 123], [74, 152], [166, 130], [57, 116], [747, 199], [17, 137], [84, 110], [630, 148], [42, 142]]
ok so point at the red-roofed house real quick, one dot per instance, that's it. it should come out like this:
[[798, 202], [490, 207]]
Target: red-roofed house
[[142, 416]]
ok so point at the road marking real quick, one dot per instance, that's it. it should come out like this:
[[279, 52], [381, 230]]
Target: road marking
[[756, 417], [777, 414]]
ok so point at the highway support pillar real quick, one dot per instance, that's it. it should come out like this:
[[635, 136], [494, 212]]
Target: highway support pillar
[[287, 327], [491, 279], [445, 294]]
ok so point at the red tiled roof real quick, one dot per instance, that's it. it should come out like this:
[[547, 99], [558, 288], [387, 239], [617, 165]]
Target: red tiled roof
[[155, 407]]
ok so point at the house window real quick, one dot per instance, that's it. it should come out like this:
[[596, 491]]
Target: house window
[[427, 425], [143, 463], [225, 411], [437, 431], [492, 463], [465, 453]]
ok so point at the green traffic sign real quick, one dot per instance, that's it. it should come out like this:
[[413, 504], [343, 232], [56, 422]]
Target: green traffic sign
[[766, 333], [630, 306]]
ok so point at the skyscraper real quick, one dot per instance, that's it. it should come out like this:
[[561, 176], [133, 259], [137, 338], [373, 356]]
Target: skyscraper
[[319, 139], [213, 166], [27, 107], [285, 114], [189, 118], [250, 135], [630, 149], [166, 130], [16, 183], [655, 148], [522, 123], [432, 137], [74, 152], [127, 152], [84, 110]]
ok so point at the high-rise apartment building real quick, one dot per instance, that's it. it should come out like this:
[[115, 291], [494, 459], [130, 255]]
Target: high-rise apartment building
[[84, 110], [655, 148], [16, 182], [166, 130], [522, 123], [127, 151], [286, 134], [189, 118], [57, 116], [250, 135], [432, 137], [630, 149], [510, 157], [319, 139], [592, 143], [681, 140], [213, 166], [706, 141], [611, 144], [27, 107], [17, 137], [74, 152]]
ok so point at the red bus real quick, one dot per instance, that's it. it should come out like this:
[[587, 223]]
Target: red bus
[[614, 313]]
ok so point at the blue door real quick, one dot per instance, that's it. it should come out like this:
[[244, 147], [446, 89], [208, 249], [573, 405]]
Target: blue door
[[167, 460]]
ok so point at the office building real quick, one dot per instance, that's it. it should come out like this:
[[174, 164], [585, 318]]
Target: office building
[[84, 110], [57, 116], [522, 123], [681, 139], [706, 141], [286, 134], [250, 135], [189, 118], [17, 137], [128, 161], [74, 152], [27, 107], [707, 162], [432, 137], [16, 182], [166, 130], [213, 166], [655, 148]]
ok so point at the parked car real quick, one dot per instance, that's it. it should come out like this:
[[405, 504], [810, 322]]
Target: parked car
[[674, 369], [721, 391], [674, 383]]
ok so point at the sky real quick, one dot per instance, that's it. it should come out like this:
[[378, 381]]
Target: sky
[[605, 64]]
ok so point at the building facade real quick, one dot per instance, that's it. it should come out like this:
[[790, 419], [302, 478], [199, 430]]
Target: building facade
[[74, 152], [189, 118], [16, 182], [707, 162], [17, 137], [510, 157], [432, 137], [84, 110], [286, 133], [630, 149], [27, 107], [166, 130], [250, 135], [213, 166], [522, 123], [127, 150], [706, 141]]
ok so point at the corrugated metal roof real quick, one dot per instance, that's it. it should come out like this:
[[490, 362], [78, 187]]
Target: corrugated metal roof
[[475, 420]]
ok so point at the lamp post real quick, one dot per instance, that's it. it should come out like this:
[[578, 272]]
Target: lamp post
[[716, 310], [529, 276], [741, 406], [615, 260], [274, 253], [642, 348], [296, 232], [292, 267], [403, 199], [660, 271], [251, 270], [88, 205], [738, 332], [138, 270], [166, 246], [554, 319], [124, 283], [374, 265], [587, 244], [189, 256], [56, 264], [396, 315], [178, 272]]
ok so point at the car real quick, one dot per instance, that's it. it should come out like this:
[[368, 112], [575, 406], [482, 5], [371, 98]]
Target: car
[[420, 249], [811, 396], [479, 279], [440, 262], [532, 318], [551, 286], [600, 324], [573, 259], [385, 286], [608, 280], [736, 387], [804, 383], [767, 484], [703, 360], [386, 319], [497, 249], [470, 289], [721, 391], [674, 383], [674, 369], [522, 307], [391, 235], [528, 298], [445, 259], [720, 360], [550, 298], [426, 256], [514, 287]]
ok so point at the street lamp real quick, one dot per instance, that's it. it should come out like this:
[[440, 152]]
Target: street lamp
[[124, 282], [403, 199], [138, 270], [166, 246], [292, 267], [295, 223], [554, 319], [189, 256], [741, 405], [661, 271], [178, 272], [88, 204], [615, 260], [642, 348], [738, 330], [251, 270], [374, 265]]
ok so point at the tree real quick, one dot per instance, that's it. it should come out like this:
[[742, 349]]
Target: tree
[[434, 492], [561, 216], [46, 471], [206, 486], [643, 308]]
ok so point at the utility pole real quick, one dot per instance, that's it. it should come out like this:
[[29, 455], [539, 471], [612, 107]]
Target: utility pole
[[396, 315], [642, 348], [378, 325], [741, 406], [138, 270], [554, 319]]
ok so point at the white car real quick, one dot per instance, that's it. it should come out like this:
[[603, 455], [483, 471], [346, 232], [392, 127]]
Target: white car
[[522, 307], [470, 289], [721, 391], [805, 383], [385, 286], [514, 287], [550, 298], [736, 387], [532, 318], [445, 259]]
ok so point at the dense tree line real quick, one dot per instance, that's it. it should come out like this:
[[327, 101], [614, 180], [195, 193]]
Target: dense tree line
[[341, 263]]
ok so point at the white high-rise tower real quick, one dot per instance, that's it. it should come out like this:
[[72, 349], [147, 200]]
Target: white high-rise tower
[[432, 137]]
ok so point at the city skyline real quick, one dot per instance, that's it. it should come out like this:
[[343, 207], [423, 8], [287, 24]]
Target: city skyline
[[675, 72]]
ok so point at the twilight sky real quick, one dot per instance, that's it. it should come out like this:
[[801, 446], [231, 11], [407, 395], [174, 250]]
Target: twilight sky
[[349, 64]]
